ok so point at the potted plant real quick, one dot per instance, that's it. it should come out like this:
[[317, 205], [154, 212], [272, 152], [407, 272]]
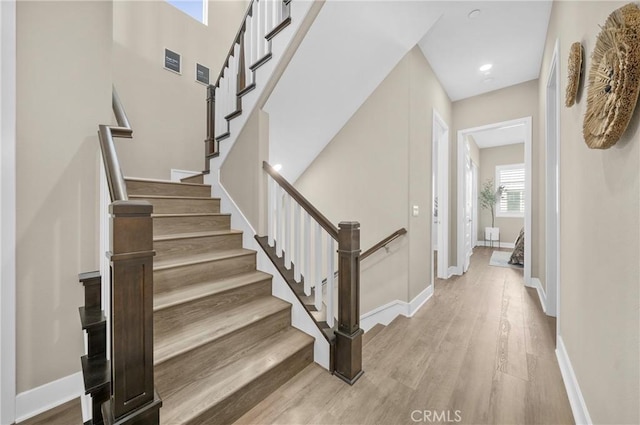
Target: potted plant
[[489, 197]]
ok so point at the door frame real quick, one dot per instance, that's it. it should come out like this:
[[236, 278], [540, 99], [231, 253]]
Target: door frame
[[8, 212], [552, 186], [440, 127], [527, 121]]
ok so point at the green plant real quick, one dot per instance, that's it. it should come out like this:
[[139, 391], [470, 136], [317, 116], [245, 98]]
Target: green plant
[[489, 197]]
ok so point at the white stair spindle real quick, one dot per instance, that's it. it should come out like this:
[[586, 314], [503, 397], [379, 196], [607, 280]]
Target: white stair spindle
[[307, 254], [270, 210], [261, 29], [318, 267], [268, 6], [297, 258], [278, 230], [330, 279], [287, 231]]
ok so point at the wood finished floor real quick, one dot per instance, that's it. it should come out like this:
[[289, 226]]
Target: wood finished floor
[[481, 347]]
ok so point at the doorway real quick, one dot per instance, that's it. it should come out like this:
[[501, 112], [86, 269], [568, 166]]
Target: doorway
[[440, 197], [464, 215]]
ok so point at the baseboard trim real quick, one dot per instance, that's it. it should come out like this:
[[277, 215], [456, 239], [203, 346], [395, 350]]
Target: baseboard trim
[[576, 400], [385, 314], [537, 285], [453, 271], [45, 397], [176, 174], [509, 245]]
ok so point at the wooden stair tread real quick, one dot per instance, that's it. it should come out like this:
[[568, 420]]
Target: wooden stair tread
[[215, 326], [96, 373], [188, 293], [145, 180], [200, 258], [194, 399], [190, 215], [198, 198], [92, 317], [176, 236]]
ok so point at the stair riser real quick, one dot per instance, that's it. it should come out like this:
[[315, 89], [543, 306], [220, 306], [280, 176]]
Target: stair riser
[[180, 316], [176, 225], [164, 280], [173, 374], [239, 402], [183, 206], [166, 189], [183, 247]]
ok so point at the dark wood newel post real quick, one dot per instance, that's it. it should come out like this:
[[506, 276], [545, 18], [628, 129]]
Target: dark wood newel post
[[133, 399], [210, 141], [348, 354]]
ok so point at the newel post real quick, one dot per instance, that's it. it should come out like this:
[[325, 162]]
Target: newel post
[[348, 354], [210, 142], [133, 398]]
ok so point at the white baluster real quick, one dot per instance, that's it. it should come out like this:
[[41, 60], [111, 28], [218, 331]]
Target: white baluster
[[330, 279], [318, 267], [287, 231], [218, 121], [297, 258], [270, 207], [261, 29], [307, 254], [277, 14], [268, 9], [278, 232], [247, 40]]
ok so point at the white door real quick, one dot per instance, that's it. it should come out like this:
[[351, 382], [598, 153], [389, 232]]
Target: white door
[[468, 206]]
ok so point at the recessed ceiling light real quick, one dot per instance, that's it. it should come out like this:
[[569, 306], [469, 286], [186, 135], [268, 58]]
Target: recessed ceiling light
[[277, 167], [486, 67], [474, 13], [488, 80]]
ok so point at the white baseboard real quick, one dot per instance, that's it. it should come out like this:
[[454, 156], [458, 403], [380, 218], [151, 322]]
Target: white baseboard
[[45, 397], [509, 245], [385, 314], [578, 405], [176, 175], [535, 283], [453, 271]]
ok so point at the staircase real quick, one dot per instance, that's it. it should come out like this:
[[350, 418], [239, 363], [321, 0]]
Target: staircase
[[222, 343]]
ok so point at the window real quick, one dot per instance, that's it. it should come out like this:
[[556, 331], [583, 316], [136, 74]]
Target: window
[[511, 203], [194, 8]]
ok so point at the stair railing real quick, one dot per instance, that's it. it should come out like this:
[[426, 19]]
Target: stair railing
[[251, 48], [132, 396], [307, 239]]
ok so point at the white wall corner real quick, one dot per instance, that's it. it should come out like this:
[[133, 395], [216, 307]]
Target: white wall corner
[[578, 405], [300, 319], [453, 271], [385, 314], [40, 399]]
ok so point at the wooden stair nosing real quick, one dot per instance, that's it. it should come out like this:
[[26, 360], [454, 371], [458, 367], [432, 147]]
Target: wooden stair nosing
[[195, 235], [176, 197], [177, 215], [183, 295], [198, 400], [168, 182], [201, 258], [92, 318], [96, 373], [88, 278], [215, 327]]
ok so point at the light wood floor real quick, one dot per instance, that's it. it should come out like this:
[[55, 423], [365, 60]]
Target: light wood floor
[[481, 350]]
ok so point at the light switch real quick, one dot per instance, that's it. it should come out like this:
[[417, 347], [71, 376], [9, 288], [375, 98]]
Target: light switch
[[416, 210]]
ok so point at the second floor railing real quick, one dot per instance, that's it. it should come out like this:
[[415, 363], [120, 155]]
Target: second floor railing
[[251, 48], [315, 248]]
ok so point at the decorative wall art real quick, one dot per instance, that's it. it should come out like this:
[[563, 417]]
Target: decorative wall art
[[574, 73], [614, 78]]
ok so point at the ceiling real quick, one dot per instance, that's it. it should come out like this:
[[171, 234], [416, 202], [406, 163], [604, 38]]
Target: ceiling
[[508, 34], [500, 136]]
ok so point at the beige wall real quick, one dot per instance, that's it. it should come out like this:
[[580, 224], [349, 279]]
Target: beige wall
[[242, 175], [600, 235], [167, 111], [64, 92], [375, 169], [489, 159], [501, 105]]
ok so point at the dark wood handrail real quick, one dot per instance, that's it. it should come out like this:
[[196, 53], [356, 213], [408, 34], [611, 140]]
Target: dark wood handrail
[[395, 235], [302, 201], [236, 40]]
